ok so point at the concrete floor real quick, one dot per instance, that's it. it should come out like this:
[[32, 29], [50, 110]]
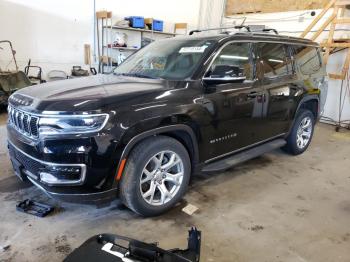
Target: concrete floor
[[274, 208]]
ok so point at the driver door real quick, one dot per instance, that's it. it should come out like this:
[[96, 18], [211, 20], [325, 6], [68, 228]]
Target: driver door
[[236, 100]]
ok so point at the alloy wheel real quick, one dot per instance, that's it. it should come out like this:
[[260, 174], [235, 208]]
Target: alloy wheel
[[161, 178], [304, 132]]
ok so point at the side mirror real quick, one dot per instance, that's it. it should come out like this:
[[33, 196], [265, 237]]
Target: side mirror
[[225, 74]]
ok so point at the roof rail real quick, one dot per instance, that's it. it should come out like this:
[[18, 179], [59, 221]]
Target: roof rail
[[269, 30], [220, 28]]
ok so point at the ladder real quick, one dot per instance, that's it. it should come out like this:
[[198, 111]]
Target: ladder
[[330, 44]]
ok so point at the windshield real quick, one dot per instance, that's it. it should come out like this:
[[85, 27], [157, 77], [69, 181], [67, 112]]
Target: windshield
[[167, 59]]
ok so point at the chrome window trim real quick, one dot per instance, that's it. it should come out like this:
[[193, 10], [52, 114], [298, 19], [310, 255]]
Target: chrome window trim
[[62, 182]]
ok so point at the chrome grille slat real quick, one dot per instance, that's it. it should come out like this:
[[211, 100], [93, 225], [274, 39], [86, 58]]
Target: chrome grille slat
[[23, 122], [13, 115], [34, 122], [26, 123], [29, 129], [21, 126], [16, 119]]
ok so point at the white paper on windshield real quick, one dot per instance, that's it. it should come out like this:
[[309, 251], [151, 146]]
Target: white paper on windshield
[[193, 49]]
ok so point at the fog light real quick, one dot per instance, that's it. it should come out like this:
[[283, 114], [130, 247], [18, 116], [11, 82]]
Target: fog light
[[48, 178]]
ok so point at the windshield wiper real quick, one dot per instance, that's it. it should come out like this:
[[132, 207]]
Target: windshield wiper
[[136, 75]]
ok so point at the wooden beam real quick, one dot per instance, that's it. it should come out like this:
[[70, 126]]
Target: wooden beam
[[331, 35], [323, 27], [342, 45], [347, 63], [342, 20], [342, 2], [234, 7], [317, 18], [337, 77]]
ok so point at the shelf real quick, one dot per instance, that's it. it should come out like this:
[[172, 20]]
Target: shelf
[[140, 30], [123, 48]]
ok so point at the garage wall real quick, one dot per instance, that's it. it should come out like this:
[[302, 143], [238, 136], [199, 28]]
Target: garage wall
[[52, 33]]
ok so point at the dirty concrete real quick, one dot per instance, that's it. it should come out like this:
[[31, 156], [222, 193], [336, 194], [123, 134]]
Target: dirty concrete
[[274, 208]]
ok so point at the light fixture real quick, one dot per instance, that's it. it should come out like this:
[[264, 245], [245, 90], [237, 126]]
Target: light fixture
[[276, 60], [234, 57]]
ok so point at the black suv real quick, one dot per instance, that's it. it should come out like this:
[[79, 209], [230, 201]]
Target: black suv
[[176, 107]]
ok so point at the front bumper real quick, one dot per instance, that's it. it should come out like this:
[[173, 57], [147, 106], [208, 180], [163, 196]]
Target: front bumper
[[49, 173], [28, 167], [78, 196]]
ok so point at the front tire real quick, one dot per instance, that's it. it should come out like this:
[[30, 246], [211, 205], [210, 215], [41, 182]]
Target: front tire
[[156, 176], [301, 133]]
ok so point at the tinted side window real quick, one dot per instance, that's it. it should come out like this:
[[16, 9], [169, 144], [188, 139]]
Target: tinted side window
[[233, 62], [307, 59], [273, 60]]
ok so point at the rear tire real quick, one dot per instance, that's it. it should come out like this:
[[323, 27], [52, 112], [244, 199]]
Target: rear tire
[[301, 133], [156, 176]]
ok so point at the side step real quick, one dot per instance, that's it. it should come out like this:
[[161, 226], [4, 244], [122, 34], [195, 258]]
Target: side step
[[227, 162]]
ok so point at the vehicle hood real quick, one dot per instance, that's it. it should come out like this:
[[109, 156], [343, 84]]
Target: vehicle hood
[[86, 93]]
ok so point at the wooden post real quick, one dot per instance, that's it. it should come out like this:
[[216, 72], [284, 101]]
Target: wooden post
[[331, 35], [87, 54]]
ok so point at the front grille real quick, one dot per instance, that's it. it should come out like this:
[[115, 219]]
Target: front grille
[[29, 164], [24, 122]]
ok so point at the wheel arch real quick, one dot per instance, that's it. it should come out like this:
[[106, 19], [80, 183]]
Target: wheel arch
[[310, 102], [181, 132]]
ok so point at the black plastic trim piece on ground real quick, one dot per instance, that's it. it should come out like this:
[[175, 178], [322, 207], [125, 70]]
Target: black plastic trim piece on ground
[[34, 208], [110, 247]]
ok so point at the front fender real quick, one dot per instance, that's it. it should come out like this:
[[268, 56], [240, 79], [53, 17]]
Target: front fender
[[152, 132]]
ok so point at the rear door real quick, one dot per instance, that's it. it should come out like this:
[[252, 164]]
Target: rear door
[[277, 77], [233, 99]]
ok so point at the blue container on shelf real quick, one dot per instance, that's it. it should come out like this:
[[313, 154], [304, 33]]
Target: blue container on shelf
[[154, 24], [157, 25], [136, 21]]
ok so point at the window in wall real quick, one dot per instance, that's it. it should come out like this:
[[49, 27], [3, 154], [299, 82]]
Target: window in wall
[[274, 59]]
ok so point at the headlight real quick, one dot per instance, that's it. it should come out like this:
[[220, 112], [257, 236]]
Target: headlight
[[71, 124]]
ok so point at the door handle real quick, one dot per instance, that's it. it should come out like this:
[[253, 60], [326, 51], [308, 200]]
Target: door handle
[[254, 94]]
